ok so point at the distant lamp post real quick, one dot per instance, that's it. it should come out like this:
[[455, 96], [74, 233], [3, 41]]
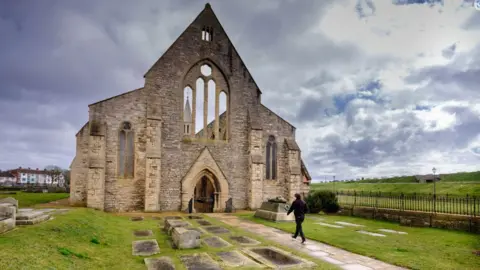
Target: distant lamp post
[[434, 190], [334, 183]]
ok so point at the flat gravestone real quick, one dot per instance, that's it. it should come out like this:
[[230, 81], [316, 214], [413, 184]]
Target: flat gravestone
[[197, 229], [156, 218], [243, 240], [199, 262], [136, 218], [195, 217], [143, 233], [216, 229], [161, 263], [372, 234], [173, 217], [329, 225], [216, 242], [348, 224], [145, 247], [277, 258], [204, 223], [392, 231], [236, 259]]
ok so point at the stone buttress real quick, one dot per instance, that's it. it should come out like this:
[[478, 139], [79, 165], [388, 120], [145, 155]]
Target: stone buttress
[[96, 166], [256, 164], [293, 177], [153, 157]]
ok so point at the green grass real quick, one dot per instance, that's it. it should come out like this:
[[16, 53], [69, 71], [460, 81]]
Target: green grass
[[28, 199], [89, 239], [450, 188], [454, 177], [422, 248]]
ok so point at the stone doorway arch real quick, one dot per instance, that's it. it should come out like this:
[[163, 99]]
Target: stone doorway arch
[[214, 186], [205, 166]]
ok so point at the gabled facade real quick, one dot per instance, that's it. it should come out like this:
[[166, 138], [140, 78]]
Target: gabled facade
[[150, 150]]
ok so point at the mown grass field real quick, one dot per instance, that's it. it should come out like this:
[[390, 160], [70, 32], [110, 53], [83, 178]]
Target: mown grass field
[[421, 248], [30, 199], [89, 239], [451, 188], [454, 177]]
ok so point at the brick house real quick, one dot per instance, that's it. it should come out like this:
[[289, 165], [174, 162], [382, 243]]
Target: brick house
[[27, 176], [158, 147]]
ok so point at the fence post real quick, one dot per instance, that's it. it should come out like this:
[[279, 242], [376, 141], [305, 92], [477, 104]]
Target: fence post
[[402, 202], [474, 206], [468, 203]]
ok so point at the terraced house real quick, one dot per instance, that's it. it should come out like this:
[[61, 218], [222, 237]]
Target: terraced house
[[195, 132]]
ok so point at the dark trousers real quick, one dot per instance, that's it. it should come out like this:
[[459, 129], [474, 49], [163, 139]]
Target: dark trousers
[[299, 230]]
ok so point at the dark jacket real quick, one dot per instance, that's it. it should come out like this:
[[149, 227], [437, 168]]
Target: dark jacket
[[299, 208]]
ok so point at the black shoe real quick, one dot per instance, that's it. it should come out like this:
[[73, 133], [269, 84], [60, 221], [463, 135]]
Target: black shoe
[[303, 240], [294, 237]]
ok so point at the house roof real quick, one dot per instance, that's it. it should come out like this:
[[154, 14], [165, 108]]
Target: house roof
[[6, 174]]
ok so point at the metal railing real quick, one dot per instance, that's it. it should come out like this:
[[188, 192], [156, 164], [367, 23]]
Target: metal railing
[[448, 204]]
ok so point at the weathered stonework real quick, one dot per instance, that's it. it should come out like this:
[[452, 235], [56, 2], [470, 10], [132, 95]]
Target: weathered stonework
[[168, 163]]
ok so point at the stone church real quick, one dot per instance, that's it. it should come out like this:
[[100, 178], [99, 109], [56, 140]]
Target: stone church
[[197, 130]]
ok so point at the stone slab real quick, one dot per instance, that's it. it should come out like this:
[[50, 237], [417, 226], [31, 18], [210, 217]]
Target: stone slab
[[160, 263], [173, 223], [194, 217], [33, 221], [243, 240], [349, 224], [331, 260], [26, 215], [145, 247], [199, 261], [197, 230], [143, 233], [277, 258], [216, 229], [136, 218], [184, 238], [318, 254], [355, 267], [372, 234], [329, 225], [173, 217], [204, 223], [391, 231], [236, 259], [216, 242]]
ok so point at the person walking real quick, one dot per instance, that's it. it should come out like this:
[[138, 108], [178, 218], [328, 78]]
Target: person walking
[[299, 209]]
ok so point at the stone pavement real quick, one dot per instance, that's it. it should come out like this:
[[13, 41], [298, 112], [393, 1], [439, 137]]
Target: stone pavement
[[333, 255]]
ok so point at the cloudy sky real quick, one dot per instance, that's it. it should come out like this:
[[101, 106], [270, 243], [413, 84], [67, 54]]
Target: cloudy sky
[[381, 87]]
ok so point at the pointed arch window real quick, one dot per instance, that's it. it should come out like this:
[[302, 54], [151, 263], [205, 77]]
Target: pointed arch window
[[271, 154], [207, 33], [126, 150]]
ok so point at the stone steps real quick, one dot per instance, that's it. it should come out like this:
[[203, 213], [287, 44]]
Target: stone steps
[[35, 220]]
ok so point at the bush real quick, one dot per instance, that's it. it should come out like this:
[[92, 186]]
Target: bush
[[322, 200]]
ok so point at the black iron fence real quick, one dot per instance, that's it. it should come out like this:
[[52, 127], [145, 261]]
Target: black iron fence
[[448, 204]]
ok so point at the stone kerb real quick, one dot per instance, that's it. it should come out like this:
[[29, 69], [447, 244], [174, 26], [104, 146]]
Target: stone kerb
[[185, 239], [11, 201]]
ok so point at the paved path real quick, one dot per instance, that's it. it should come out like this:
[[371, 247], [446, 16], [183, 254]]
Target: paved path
[[333, 255]]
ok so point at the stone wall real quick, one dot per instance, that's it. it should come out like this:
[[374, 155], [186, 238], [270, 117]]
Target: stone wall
[[123, 193], [417, 218]]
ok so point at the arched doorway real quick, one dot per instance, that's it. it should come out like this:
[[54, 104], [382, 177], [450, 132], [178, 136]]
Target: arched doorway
[[204, 194], [207, 192]]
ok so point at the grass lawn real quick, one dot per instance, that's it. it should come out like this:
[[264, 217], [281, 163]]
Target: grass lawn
[[422, 248], [40, 246], [454, 177], [30, 199], [450, 188]]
